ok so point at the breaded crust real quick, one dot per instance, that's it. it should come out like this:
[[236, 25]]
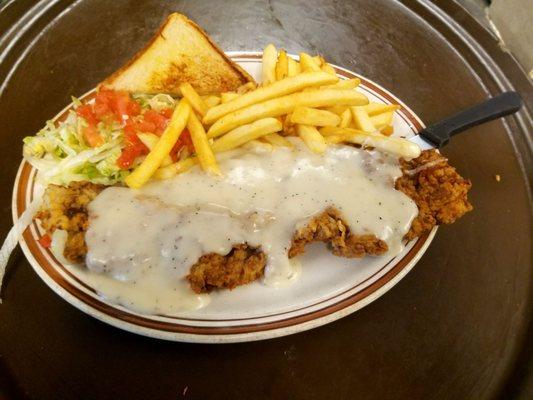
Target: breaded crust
[[328, 227], [242, 265], [440, 193], [65, 208]]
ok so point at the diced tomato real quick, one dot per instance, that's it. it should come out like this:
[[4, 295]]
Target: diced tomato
[[183, 141], [167, 112], [86, 111], [116, 104], [45, 241], [92, 136], [185, 138], [159, 120]]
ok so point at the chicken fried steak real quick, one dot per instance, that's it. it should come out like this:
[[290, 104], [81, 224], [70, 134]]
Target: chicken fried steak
[[439, 192]]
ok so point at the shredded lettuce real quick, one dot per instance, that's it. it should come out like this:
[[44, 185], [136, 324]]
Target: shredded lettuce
[[60, 153]]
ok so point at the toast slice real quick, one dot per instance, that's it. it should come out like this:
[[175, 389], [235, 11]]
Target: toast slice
[[180, 52]]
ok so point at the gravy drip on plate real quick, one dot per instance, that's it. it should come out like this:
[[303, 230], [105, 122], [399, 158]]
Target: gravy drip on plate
[[148, 239]]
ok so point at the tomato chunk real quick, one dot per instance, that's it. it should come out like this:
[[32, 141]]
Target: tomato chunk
[[86, 111], [45, 241]]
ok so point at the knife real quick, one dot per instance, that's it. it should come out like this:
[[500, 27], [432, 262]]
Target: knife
[[439, 134]]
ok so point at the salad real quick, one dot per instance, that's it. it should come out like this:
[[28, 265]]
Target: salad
[[103, 139]]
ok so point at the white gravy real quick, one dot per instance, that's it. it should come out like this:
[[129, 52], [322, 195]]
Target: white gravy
[[143, 242]]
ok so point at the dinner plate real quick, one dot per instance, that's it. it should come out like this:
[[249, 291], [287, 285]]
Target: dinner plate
[[329, 287]]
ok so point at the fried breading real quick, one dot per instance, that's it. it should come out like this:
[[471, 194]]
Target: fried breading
[[242, 265], [328, 227], [440, 193], [437, 189], [65, 208]]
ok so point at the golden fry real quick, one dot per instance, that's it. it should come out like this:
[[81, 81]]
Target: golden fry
[[176, 168], [361, 119], [276, 89], [329, 69], [378, 108], [382, 120], [401, 147], [314, 117], [211, 101], [246, 87], [226, 97], [293, 67], [346, 118], [193, 98], [308, 63], [285, 105], [149, 140], [162, 148], [282, 66], [312, 138], [203, 150], [344, 84], [270, 57], [277, 140], [245, 133], [387, 130]]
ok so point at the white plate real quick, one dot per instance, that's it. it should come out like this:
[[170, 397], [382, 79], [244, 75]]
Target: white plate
[[328, 289]]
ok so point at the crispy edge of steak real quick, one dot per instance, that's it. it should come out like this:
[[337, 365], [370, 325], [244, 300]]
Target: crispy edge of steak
[[65, 208], [440, 193]]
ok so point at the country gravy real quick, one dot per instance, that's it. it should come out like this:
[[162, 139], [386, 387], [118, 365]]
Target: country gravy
[[142, 243]]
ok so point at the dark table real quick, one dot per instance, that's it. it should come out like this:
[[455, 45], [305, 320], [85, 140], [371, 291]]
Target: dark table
[[457, 327]]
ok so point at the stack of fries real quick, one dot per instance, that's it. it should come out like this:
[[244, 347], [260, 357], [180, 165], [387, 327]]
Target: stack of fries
[[302, 98]]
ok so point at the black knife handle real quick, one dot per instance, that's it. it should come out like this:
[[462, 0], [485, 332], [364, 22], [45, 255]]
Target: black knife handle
[[504, 104]]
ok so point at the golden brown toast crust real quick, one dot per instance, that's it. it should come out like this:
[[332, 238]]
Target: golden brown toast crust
[[177, 72]]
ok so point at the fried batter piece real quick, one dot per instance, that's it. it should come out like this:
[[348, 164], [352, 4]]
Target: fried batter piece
[[328, 227], [437, 189], [66, 208], [242, 265]]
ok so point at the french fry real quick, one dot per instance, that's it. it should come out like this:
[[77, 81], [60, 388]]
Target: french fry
[[245, 133], [319, 60], [378, 108], [339, 110], [276, 89], [149, 140], [211, 101], [382, 120], [162, 148], [282, 66], [226, 97], [346, 118], [270, 57], [387, 130], [293, 67], [205, 155], [401, 147], [329, 69], [194, 99], [277, 140], [285, 105], [361, 119], [314, 117], [246, 87], [256, 145], [308, 64], [344, 84], [312, 138], [176, 168]]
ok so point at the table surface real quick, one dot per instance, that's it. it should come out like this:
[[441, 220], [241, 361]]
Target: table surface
[[453, 328]]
